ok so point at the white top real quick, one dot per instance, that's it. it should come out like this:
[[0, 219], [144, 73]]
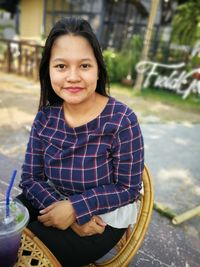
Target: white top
[[121, 217]]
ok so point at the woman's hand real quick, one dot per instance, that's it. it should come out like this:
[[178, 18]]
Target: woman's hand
[[95, 226], [60, 214]]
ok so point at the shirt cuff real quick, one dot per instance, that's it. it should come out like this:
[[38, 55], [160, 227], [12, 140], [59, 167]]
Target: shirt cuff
[[83, 214]]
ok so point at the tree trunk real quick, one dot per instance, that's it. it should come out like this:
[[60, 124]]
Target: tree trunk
[[147, 41]]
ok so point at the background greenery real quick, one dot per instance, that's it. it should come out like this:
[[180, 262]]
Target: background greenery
[[121, 64]]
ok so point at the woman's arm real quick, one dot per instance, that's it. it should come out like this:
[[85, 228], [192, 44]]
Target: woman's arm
[[34, 183], [128, 164]]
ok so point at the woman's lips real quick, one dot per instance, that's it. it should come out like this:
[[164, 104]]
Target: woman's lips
[[73, 89]]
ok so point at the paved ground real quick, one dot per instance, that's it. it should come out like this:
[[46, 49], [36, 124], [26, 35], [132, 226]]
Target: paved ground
[[172, 154]]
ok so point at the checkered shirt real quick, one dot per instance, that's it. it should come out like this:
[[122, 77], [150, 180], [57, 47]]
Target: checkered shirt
[[97, 166]]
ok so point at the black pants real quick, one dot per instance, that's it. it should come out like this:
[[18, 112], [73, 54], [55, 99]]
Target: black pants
[[70, 249]]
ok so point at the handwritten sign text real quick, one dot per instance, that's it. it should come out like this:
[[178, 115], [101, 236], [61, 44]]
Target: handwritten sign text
[[178, 79]]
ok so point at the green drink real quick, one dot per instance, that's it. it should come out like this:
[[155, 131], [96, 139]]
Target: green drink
[[10, 231]]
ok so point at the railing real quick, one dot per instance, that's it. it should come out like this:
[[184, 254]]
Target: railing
[[20, 57]]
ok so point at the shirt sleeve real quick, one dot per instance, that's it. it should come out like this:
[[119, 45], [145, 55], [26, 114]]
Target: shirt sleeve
[[34, 183], [128, 165]]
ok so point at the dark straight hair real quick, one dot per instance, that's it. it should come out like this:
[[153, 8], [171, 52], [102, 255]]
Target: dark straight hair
[[77, 27]]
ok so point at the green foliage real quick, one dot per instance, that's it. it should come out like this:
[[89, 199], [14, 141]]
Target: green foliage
[[4, 26], [112, 61], [131, 53], [122, 63], [191, 103], [186, 23], [3, 48], [195, 62]]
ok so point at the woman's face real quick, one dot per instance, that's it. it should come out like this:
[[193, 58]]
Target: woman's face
[[73, 69]]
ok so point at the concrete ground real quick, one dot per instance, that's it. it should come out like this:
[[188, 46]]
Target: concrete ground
[[172, 151]]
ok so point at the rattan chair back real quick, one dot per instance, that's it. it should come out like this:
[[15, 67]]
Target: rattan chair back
[[130, 243]]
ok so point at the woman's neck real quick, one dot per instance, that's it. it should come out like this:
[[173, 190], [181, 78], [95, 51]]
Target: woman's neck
[[79, 114]]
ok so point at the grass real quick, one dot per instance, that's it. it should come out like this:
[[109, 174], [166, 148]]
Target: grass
[[192, 103]]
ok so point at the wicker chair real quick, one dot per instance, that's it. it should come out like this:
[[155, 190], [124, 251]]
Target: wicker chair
[[32, 249], [133, 238], [34, 253]]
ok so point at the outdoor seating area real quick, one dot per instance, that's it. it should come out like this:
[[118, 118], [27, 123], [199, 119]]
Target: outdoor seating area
[[169, 179], [85, 103]]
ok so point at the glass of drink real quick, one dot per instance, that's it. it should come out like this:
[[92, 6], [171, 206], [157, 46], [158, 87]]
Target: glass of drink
[[10, 231]]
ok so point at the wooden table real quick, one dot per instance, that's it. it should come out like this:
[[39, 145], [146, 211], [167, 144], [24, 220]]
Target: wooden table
[[33, 252]]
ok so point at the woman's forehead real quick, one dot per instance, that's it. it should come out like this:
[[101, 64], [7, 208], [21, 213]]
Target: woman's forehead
[[72, 46], [71, 41]]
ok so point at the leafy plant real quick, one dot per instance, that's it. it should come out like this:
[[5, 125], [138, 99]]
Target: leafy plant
[[195, 62], [131, 53], [122, 64], [186, 23], [111, 59]]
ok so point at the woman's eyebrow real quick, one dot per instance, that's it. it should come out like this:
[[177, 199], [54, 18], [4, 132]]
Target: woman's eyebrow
[[62, 59], [58, 59], [86, 59]]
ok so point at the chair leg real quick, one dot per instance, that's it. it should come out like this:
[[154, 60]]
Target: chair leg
[[124, 239], [128, 232]]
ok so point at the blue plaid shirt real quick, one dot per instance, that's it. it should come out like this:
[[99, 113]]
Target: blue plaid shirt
[[97, 166]]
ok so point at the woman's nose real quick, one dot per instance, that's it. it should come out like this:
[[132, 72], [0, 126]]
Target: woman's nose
[[72, 75]]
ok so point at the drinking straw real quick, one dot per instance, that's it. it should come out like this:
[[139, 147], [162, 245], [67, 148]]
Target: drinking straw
[[8, 193]]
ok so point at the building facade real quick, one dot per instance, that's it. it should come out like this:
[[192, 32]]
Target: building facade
[[112, 20]]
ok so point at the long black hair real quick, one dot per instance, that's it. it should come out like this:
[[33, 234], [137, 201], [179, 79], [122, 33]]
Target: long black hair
[[78, 27]]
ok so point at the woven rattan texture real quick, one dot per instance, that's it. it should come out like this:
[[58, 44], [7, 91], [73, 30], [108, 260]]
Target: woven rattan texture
[[34, 253]]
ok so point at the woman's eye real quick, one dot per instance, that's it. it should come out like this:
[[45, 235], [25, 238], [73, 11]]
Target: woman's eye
[[60, 66], [85, 66]]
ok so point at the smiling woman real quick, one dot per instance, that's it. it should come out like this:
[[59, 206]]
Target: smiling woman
[[85, 156], [73, 72]]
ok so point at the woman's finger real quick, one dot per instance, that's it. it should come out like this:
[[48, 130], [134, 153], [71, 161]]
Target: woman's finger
[[96, 228], [43, 218], [98, 220], [47, 209]]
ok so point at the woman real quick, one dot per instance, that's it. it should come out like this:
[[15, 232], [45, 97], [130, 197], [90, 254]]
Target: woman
[[84, 158]]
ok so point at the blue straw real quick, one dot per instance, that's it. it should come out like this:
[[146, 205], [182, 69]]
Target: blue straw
[[8, 193]]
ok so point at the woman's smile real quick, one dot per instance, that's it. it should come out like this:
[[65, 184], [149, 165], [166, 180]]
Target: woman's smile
[[73, 89]]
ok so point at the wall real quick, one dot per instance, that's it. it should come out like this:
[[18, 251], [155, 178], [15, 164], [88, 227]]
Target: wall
[[31, 19]]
